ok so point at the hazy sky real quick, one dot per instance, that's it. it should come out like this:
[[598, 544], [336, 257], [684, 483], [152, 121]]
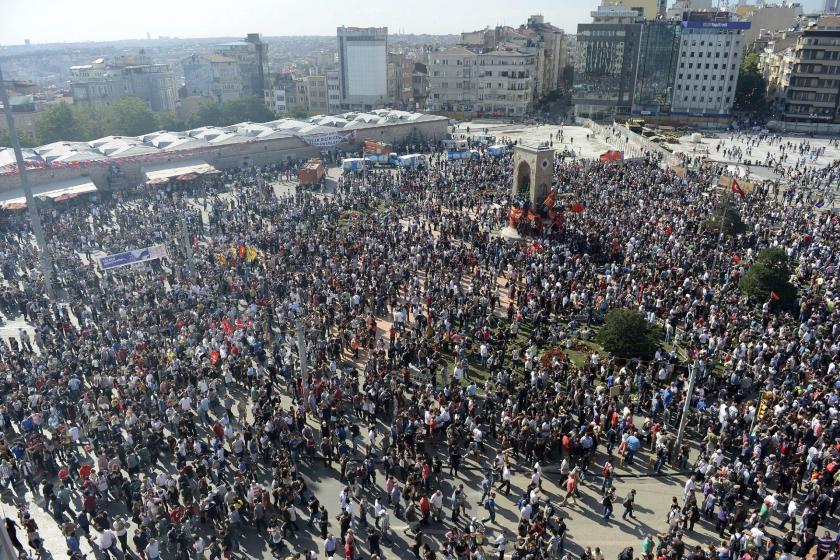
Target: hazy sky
[[49, 21]]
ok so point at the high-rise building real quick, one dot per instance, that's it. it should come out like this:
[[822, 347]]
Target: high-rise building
[[497, 83], [831, 7], [711, 48], [101, 82], [649, 9], [212, 75], [659, 49], [251, 55], [606, 62], [154, 84], [362, 55], [814, 89]]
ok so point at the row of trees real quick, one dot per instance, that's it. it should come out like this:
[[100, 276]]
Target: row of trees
[[129, 116]]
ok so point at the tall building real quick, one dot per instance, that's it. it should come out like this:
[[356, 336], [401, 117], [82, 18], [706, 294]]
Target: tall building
[[452, 84], [659, 49], [711, 48], [606, 62], [101, 82], [251, 55], [212, 75], [497, 83], [333, 92], [548, 43], [154, 84], [831, 7], [362, 57], [649, 9], [814, 90]]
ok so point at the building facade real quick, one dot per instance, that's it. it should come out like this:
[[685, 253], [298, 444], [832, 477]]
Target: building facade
[[814, 89], [452, 85], [101, 82], [505, 83], [362, 55], [153, 83], [333, 92], [711, 49], [605, 63], [212, 75], [251, 55], [659, 48], [649, 9]]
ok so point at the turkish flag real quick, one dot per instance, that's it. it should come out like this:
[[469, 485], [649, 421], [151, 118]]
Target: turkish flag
[[577, 208], [736, 188]]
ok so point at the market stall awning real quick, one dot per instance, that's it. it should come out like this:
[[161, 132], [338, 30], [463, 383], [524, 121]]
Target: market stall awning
[[58, 191], [156, 174]]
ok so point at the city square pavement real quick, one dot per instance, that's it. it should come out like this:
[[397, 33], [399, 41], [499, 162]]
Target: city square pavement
[[586, 526]]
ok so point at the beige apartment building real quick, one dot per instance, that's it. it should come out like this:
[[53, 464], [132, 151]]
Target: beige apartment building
[[812, 94]]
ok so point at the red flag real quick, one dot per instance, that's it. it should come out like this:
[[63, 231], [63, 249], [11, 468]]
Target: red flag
[[228, 327], [774, 296], [736, 188], [577, 208], [735, 258]]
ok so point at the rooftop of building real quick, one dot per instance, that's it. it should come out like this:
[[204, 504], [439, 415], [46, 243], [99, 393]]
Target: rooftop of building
[[171, 141]]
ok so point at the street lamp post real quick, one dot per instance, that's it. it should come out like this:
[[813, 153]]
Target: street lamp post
[[34, 217], [692, 377]]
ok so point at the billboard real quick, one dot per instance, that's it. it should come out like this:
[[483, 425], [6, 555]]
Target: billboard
[[117, 260]]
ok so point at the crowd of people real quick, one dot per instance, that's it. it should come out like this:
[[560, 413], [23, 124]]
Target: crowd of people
[[385, 334]]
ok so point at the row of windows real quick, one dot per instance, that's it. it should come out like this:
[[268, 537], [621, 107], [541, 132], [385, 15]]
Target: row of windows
[[703, 88], [703, 99], [706, 77], [811, 54], [816, 69], [714, 66], [814, 82], [703, 43], [811, 96], [708, 54]]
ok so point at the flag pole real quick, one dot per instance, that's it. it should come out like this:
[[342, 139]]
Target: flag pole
[[32, 210]]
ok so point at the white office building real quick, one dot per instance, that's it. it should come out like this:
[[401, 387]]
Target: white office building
[[711, 48], [363, 60]]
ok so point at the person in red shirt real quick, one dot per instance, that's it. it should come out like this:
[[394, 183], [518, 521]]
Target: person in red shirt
[[425, 509]]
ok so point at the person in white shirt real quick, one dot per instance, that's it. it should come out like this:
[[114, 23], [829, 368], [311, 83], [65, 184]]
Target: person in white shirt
[[152, 550], [106, 542]]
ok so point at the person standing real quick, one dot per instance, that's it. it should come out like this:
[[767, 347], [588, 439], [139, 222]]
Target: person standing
[[629, 502], [607, 502], [490, 506]]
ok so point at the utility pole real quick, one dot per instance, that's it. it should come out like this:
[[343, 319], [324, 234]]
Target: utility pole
[[187, 242], [34, 217], [301, 344], [692, 377]]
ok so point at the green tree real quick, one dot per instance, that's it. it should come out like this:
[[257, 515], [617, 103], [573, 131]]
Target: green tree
[[129, 116], [751, 93], [770, 272], [627, 334], [726, 218], [58, 123], [247, 108], [168, 121], [27, 140], [91, 121], [207, 114]]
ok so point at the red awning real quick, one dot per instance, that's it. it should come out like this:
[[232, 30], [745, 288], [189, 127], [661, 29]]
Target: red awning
[[188, 176]]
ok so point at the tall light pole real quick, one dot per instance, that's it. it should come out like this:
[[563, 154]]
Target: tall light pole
[[34, 217], [689, 391]]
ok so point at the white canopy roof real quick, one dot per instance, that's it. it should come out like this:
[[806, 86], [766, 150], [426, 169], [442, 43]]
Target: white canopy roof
[[176, 168], [67, 188]]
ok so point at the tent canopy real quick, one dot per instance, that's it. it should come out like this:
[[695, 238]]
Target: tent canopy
[[57, 191], [172, 169]]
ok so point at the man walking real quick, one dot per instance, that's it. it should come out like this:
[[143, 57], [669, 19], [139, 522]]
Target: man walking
[[629, 501]]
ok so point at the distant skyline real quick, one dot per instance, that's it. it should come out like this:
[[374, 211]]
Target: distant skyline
[[52, 21]]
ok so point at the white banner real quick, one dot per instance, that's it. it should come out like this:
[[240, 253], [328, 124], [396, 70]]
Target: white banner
[[328, 139]]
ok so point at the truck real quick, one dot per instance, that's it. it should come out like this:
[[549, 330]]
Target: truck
[[390, 159], [452, 155], [312, 172], [373, 147], [356, 165], [412, 161], [496, 150]]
